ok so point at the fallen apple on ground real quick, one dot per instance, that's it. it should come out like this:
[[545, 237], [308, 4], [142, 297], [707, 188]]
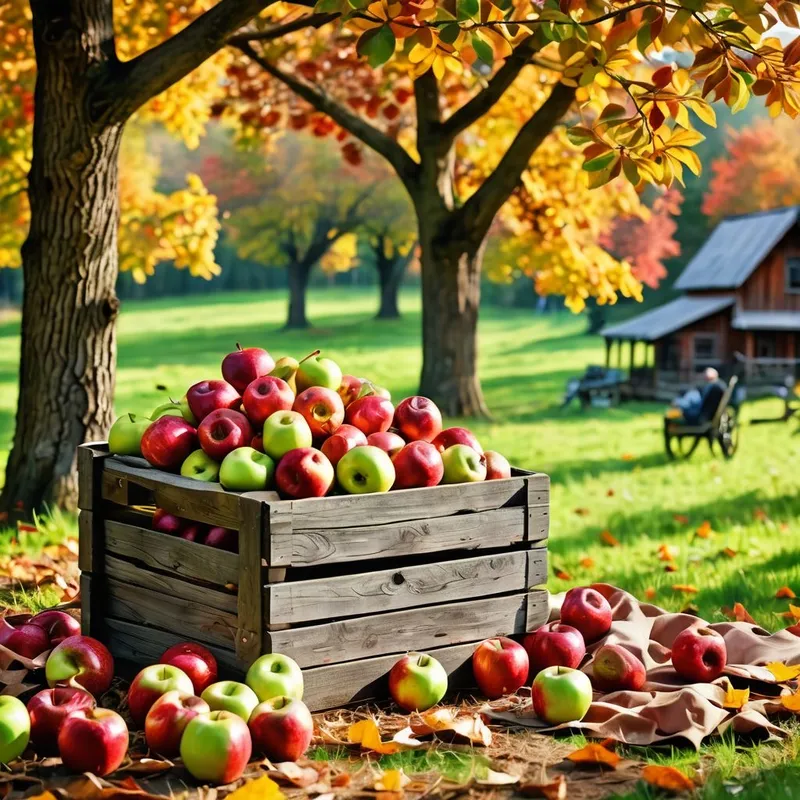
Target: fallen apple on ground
[[48, 709], [500, 666], [281, 728], [275, 675], [554, 645], [81, 660], [614, 669], [57, 624], [195, 660], [238, 698], [699, 654], [93, 740], [417, 682], [587, 610], [216, 747], [167, 719], [22, 637], [151, 683], [561, 694], [15, 728]]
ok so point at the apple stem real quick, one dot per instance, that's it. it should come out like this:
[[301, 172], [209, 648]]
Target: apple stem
[[131, 417], [238, 346], [310, 355]]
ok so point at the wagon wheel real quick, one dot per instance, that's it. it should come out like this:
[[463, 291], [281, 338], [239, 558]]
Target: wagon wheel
[[681, 446], [728, 433]]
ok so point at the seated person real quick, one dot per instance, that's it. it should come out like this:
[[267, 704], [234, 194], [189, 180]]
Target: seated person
[[699, 405]]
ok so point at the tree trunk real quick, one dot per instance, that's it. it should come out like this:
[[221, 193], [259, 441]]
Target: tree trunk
[[390, 276], [298, 274], [69, 259]]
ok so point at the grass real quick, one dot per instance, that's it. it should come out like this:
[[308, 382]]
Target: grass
[[608, 467]]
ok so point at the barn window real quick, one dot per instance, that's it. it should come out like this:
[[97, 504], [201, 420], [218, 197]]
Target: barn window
[[793, 274], [704, 350]]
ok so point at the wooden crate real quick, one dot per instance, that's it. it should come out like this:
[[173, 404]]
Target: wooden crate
[[342, 584]]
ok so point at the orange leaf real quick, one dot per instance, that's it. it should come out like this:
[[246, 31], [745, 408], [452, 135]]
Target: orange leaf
[[730, 552], [367, 734], [735, 698], [627, 456], [667, 553], [686, 588], [609, 493], [586, 562], [550, 790], [670, 568], [582, 512], [668, 778], [561, 574], [595, 754], [785, 593], [650, 593], [782, 672], [606, 537], [681, 519], [760, 515], [738, 613], [794, 611], [791, 702], [704, 531]]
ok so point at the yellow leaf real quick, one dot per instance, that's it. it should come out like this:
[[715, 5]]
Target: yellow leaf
[[686, 588], [260, 789], [367, 734], [785, 593], [667, 553], [595, 754], [735, 698], [794, 611], [791, 702], [704, 531], [667, 778], [783, 672], [393, 780]]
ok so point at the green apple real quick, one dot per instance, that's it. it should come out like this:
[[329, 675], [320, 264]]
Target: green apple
[[125, 436], [561, 694], [231, 696], [285, 431], [318, 371], [216, 747], [166, 410], [275, 675], [200, 467], [462, 464], [15, 728], [365, 469], [245, 469], [417, 682]]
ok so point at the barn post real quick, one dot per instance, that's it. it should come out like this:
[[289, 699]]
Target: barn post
[[608, 353]]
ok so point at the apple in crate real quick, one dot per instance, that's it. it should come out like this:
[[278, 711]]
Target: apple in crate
[[222, 431], [58, 625], [391, 443], [500, 666], [275, 675], [164, 522], [81, 660], [168, 442], [561, 694], [93, 740], [216, 747], [207, 396], [699, 654], [246, 470], [364, 470], [370, 414], [418, 464], [317, 370], [554, 645], [200, 467], [170, 409], [497, 465], [281, 728], [450, 436], [222, 539], [15, 728], [322, 409], [22, 637], [150, 684], [417, 682], [125, 435], [238, 698], [195, 660], [241, 367], [614, 669], [463, 464], [194, 532], [418, 419], [48, 709], [587, 610], [285, 431], [305, 472], [167, 719], [345, 439], [349, 389], [264, 396]]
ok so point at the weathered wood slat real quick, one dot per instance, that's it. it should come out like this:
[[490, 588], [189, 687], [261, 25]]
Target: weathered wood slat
[[90, 464], [414, 629], [250, 629], [171, 554], [402, 587]]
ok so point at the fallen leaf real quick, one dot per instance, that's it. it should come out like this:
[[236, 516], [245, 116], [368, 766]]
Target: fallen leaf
[[147, 766], [562, 574], [495, 778], [294, 774], [735, 698], [785, 593], [730, 552], [550, 790], [760, 515], [704, 531], [681, 519], [738, 613], [667, 553], [263, 788], [582, 512], [43, 796], [606, 537], [686, 588], [393, 780], [627, 456], [367, 734], [794, 611], [609, 492], [650, 593], [669, 778], [341, 781], [595, 754], [783, 672], [791, 702], [670, 568], [586, 562], [446, 723]]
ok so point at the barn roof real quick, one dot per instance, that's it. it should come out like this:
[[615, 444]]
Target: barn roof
[[668, 318], [735, 248], [767, 320]]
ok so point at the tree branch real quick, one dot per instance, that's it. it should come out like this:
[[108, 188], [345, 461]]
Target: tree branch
[[372, 137], [277, 31], [477, 214], [426, 98]]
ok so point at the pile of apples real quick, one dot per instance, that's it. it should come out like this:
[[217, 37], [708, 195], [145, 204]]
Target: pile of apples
[[305, 429], [221, 538]]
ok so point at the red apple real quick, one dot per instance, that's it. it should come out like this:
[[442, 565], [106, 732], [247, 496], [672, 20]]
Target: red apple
[[93, 740], [699, 655], [257, 443], [345, 439], [497, 466], [500, 666], [207, 396], [321, 408], [195, 660], [264, 396], [281, 728], [223, 539], [81, 660], [587, 610], [304, 472], [216, 747], [167, 719], [167, 442], [417, 464], [391, 443], [222, 431], [150, 684], [615, 669], [417, 682], [241, 367], [48, 709], [349, 389], [22, 637], [450, 436], [57, 624], [554, 645], [165, 522], [418, 419], [370, 414], [194, 532]]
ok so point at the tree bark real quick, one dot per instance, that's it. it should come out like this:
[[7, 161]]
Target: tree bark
[[66, 375], [298, 274], [390, 275]]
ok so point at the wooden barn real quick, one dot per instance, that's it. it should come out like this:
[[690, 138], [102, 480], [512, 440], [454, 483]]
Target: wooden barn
[[739, 312]]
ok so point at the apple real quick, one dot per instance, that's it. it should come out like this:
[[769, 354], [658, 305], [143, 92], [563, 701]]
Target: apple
[[417, 464], [561, 694], [200, 467], [264, 396], [246, 470], [365, 469], [450, 436], [370, 414], [463, 464], [614, 668], [554, 645], [167, 443], [171, 409], [257, 443], [222, 539], [222, 431], [391, 443], [345, 439], [207, 396], [232, 696], [164, 522], [322, 409], [48, 709], [22, 637], [349, 389], [125, 435], [216, 747], [281, 728], [368, 388], [587, 610], [285, 431], [699, 654], [57, 624], [81, 660], [194, 532], [241, 367], [93, 740], [418, 419], [15, 728], [317, 370], [497, 465], [195, 660], [167, 719], [275, 675], [417, 682], [304, 472], [150, 684], [500, 666]]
